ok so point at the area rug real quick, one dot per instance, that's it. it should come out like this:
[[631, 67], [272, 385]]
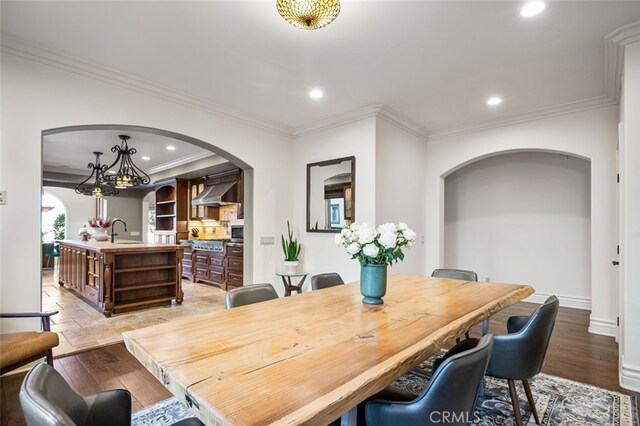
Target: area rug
[[559, 402]]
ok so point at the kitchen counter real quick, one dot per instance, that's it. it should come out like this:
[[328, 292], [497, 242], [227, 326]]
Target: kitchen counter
[[122, 276]]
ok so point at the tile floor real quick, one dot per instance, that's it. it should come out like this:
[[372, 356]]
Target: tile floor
[[80, 326]]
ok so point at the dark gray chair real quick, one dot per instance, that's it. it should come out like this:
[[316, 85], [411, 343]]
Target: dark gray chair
[[519, 355], [249, 294], [47, 400], [464, 275], [329, 279], [453, 389]]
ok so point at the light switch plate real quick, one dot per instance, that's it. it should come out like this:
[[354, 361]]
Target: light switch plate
[[135, 233], [266, 241], [3, 198]]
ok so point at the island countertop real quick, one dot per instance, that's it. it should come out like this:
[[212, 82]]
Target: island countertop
[[127, 246]]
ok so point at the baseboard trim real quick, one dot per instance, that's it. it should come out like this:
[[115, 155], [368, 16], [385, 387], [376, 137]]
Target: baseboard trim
[[566, 301], [630, 377], [603, 327]]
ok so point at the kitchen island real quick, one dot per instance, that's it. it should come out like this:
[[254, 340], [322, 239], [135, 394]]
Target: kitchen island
[[122, 276]]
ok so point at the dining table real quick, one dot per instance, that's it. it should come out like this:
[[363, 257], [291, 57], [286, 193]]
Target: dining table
[[311, 358]]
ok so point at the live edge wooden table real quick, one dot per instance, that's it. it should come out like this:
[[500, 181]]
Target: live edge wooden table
[[249, 366]]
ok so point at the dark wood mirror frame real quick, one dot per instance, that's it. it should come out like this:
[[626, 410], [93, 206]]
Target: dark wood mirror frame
[[351, 218]]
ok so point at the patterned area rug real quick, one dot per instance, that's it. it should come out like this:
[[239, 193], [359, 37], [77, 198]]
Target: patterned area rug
[[559, 402]]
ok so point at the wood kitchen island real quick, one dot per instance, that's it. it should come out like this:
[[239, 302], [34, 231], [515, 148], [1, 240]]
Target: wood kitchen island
[[122, 276]]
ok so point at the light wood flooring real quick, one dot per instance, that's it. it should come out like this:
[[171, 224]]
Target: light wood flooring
[[573, 353], [80, 326]]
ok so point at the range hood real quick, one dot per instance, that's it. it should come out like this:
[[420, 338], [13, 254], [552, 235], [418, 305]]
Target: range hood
[[216, 195]]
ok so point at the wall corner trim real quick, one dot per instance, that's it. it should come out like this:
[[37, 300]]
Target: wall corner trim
[[603, 327], [629, 376], [614, 44]]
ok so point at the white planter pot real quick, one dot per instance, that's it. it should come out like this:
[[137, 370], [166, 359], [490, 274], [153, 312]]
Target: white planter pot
[[290, 267], [100, 234]]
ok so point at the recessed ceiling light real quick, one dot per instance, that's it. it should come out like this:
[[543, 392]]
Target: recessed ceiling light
[[316, 94], [494, 100], [532, 8], [171, 147], [145, 158], [112, 172]]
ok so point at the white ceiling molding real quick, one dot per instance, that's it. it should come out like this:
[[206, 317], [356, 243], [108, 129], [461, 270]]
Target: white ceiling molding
[[180, 161], [78, 66], [614, 44], [554, 111], [380, 111]]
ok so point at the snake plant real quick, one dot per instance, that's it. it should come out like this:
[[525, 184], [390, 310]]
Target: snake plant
[[290, 246]]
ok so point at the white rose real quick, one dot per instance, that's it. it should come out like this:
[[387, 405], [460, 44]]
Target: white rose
[[366, 234], [402, 226], [354, 226], [371, 250], [346, 232], [410, 235], [338, 239], [387, 227], [353, 248], [387, 239]]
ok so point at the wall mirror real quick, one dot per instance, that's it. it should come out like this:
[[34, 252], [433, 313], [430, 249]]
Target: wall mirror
[[331, 194]]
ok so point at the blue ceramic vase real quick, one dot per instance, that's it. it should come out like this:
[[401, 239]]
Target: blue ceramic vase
[[373, 283]]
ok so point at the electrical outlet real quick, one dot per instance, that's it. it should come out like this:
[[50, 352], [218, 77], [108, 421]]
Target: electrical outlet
[[267, 241], [3, 198], [135, 233]]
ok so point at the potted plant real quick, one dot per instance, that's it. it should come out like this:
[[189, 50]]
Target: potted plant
[[291, 248], [100, 226], [375, 248]]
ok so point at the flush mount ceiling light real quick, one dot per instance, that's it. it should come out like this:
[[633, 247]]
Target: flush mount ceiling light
[[308, 14], [494, 100], [316, 94], [532, 8], [127, 173], [96, 184]]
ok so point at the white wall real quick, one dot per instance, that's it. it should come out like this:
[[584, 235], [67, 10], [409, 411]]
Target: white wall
[[523, 217], [80, 208], [319, 252], [589, 134], [36, 97], [630, 222], [401, 188]]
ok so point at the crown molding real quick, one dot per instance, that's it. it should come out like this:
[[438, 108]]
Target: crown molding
[[540, 114], [49, 57], [614, 44], [373, 111], [179, 162]]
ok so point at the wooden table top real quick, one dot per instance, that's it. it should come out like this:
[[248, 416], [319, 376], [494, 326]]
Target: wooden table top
[[311, 357]]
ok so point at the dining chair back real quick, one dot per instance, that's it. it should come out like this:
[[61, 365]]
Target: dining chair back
[[451, 392], [455, 274], [48, 400], [519, 355], [326, 280], [249, 294]]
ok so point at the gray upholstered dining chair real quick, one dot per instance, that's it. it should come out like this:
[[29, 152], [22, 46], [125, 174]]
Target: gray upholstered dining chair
[[48, 400], [461, 274], [453, 388], [326, 280], [249, 294], [519, 355]]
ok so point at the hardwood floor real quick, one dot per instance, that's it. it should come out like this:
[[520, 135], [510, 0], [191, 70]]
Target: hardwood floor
[[573, 354]]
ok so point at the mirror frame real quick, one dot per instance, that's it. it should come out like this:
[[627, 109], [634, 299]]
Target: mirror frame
[[353, 190]]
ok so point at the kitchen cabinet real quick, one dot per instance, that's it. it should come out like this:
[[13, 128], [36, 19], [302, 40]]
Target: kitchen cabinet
[[196, 186], [208, 266], [234, 265], [171, 211], [187, 262]]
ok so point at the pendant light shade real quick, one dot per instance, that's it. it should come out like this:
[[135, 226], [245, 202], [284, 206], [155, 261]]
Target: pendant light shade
[[95, 184], [308, 14], [127, 174]]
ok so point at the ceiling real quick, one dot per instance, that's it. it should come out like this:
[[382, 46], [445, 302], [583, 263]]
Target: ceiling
[[434, 62], [70, 152]]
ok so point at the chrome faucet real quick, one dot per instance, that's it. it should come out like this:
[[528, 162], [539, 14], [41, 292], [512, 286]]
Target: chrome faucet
[[113, 227]]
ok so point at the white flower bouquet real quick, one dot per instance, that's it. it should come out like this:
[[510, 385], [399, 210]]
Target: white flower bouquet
[[376, 246]]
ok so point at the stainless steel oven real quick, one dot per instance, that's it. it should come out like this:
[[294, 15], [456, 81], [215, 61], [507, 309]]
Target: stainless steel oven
[[237, 233]]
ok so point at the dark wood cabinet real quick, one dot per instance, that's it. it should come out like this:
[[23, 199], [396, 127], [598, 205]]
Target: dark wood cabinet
[[234, 265], [209, 267], [172, 211], [187, 263]]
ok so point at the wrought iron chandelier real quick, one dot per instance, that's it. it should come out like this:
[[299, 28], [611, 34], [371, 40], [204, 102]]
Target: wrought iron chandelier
[[96, 184], [308, 14], [127, 174]]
